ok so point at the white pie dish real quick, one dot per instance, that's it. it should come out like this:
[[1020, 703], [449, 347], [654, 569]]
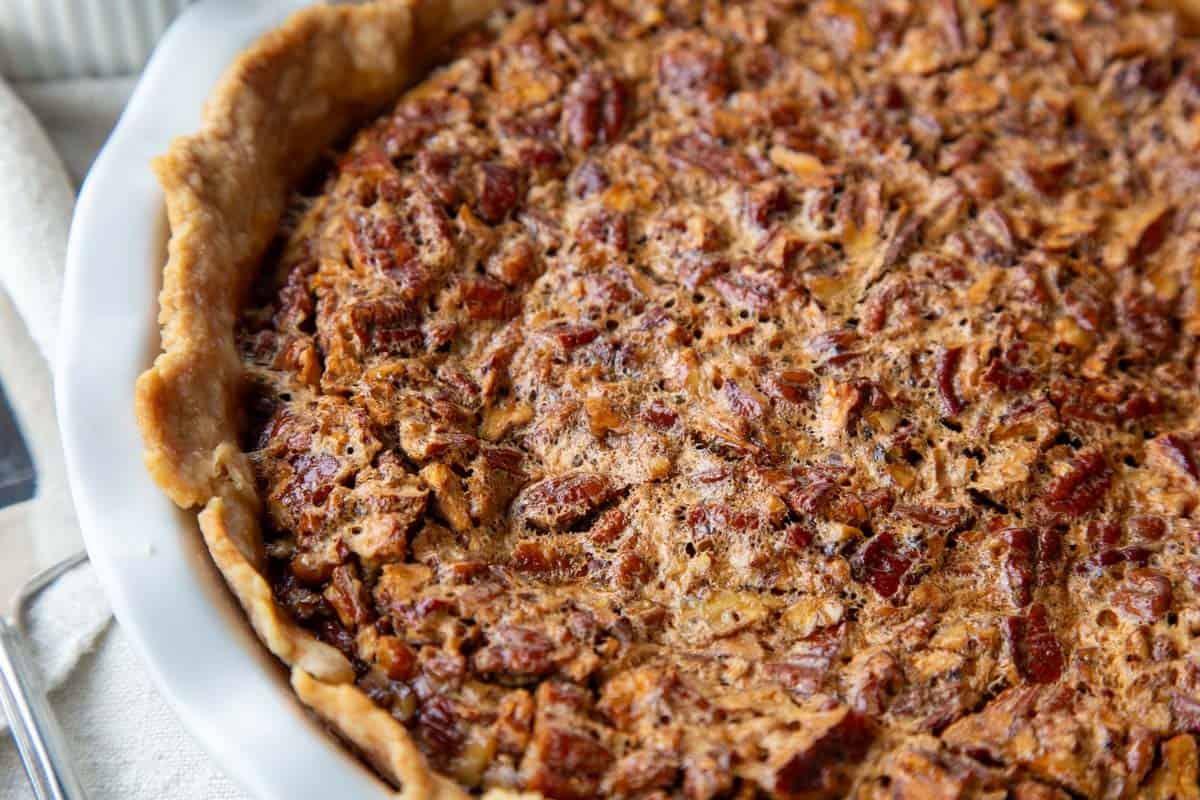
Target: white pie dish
[[168, 597]]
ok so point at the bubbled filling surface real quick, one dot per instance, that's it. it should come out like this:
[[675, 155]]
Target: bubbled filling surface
[[756, 399]]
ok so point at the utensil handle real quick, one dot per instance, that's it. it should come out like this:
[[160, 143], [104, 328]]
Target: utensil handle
[[35, 729]]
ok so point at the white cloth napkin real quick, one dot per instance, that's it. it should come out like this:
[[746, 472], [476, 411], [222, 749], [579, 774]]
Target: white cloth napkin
[[35, 215], [126, 741]]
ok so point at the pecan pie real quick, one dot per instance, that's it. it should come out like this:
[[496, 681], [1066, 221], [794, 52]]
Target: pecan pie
[[695, 399]]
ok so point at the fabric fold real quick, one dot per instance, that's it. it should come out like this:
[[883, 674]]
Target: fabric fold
[[35, 217], [36, 201]]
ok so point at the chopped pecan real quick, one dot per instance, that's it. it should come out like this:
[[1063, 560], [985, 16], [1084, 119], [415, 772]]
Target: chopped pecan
[[1180, 450], [514, 654], [572, 335], [700, 152], [1035, 650], [312, 480], [1144, 595], [439, 725], [499, 189], [1002, 371], [874, 679], [660, 415], [806, 667], [643, 771], [487, 298], [437, 173], [594, 109], [882, 564], [558, 503], [835, 347], [348, 597], [947, 368], [1082, 487], [1148, 323], [1185, 713], [821, 762], [515, 722], [695, 68], [605, 228], [1113, 556], [715, 519], [396, 657], [792, 385], [564, 760], [746, 403], [448, 495], [1033, 559], [765, 201], [631, 570], [608, 526]]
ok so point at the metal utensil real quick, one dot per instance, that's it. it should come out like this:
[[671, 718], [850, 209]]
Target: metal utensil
[[35, 729]]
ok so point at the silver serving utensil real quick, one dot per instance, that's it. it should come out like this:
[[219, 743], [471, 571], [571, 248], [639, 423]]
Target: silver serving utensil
[[35, 729]]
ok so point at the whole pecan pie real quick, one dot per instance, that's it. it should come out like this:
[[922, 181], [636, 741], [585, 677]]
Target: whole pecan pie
[[696, 399]]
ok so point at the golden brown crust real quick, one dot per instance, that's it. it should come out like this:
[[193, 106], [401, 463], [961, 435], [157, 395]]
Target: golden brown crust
[[383, 741], [290, 96], [226, 195]]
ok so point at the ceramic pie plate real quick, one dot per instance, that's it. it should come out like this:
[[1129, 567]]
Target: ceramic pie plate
[[168, 597]]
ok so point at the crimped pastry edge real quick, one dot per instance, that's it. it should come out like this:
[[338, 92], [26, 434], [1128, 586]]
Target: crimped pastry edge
[[292, 94], [224, 188]]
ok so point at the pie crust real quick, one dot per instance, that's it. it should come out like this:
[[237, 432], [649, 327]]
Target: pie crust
[[307, 83], [945, 438]]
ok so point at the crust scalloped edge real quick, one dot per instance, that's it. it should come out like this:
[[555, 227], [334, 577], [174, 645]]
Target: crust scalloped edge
[[295, 92]]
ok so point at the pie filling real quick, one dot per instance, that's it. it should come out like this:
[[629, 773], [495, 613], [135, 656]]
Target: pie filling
[[756, 399]]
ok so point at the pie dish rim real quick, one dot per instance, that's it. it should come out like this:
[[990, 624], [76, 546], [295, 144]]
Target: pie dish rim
[[220, 484]]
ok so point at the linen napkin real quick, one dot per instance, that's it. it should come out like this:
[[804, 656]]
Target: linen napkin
[[35, 213], [126, 741]]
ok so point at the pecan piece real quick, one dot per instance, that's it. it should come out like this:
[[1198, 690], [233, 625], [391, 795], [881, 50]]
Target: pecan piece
[[605, 228], [806, 667], [1035, 650], [695, 69], [1019, 564], [947, 369], [822, 765], [555, 504], [882, 565], [643, 771], [1081, 487], [942, 518], [698, 151], [1180, 450], [515, 655], [448, 495], [1002, 371], [499, 189], [594, 109], [346, 594], [572, 335], [564, 761], [660, 415], [1185, 713], [440, 726], [1033, 559], [487, 298], [746, 403], [1144, 595]]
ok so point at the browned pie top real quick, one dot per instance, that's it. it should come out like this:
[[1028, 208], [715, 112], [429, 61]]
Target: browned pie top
[[761, 398]]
